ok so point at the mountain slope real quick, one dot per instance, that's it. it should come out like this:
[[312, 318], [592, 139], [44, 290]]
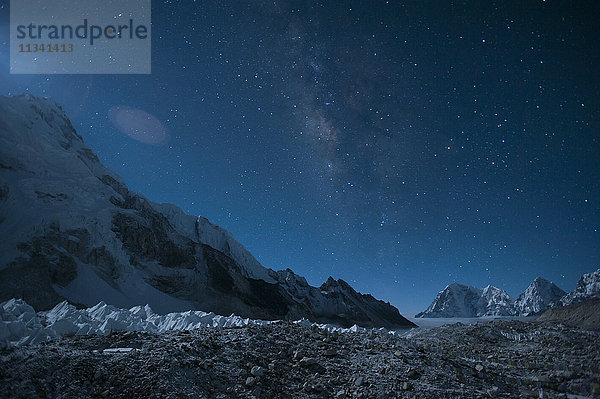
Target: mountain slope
[[584, 315], [73, 230], [538, 297], [456, 300], [495, 302], [588, 287]]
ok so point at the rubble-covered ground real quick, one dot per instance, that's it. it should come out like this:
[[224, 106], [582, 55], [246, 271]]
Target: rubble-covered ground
[[286, 360]]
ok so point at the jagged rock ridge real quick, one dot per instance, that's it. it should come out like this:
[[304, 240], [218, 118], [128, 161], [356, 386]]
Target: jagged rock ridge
[[73, 230]]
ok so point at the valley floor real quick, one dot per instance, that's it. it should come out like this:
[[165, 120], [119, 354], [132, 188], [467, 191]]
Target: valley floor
[[505, 359]]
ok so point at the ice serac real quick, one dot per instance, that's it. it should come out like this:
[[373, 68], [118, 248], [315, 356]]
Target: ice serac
[[588, 288], [538, 297], [71, 229]]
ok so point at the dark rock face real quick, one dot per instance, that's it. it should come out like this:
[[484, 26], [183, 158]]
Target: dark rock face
[[72, 223], [147, 238], [218, 266], [31, 281], [104, 264], [47, 260], [363, 309]]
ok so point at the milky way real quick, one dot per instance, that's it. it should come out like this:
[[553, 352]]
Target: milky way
[[399, 146]]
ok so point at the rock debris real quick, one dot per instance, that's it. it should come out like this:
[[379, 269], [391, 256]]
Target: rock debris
[[503, 359]]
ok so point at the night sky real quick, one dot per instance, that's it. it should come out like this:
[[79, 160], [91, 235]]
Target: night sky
[[400, 146]]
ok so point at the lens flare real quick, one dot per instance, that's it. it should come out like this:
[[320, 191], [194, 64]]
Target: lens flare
[[139, 125]]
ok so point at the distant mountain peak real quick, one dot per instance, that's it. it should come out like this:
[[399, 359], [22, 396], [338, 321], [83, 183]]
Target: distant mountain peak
[[540, 294], [458, 300], [456, 285], [588, 287]]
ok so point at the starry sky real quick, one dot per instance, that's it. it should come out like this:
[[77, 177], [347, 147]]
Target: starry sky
[[400, 146]]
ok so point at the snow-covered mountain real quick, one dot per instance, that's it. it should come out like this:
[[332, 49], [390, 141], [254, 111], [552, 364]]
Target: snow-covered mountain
[[457, 300], [537, 297], [71, 229], [495, 302], [588, 287]]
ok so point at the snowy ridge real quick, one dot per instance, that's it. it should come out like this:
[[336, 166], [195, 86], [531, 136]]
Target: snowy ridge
[[201, 230], [588, 287], [21, 325], [457, 300], [495, 302], [537, 297]]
